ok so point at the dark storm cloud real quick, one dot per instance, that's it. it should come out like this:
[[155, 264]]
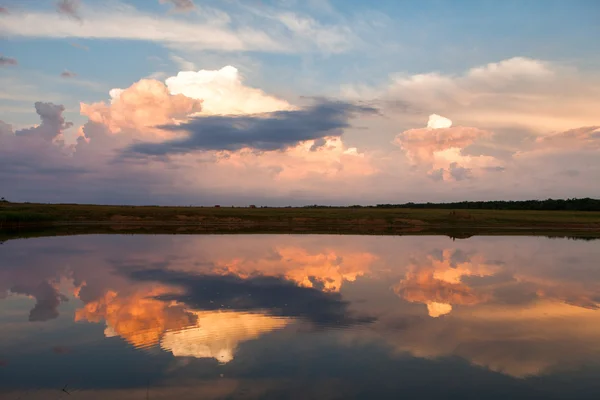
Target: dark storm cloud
[[47, 300], [8, 61], [277, 296], [53, 123], [275, 131]]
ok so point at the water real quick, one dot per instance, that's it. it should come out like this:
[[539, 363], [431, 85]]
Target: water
[[289, 316]]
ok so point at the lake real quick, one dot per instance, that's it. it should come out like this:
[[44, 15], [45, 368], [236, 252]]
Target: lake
[[299, 317]]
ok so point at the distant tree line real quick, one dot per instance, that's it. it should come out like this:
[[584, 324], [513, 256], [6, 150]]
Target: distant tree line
[[585, 204]]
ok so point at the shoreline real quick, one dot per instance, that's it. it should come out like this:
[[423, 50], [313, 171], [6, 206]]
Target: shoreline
[[384, 221]]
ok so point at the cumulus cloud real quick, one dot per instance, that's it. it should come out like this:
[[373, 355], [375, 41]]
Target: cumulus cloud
[[327, 269], [254, 147], [439, 148], [180, 5], [67, 74], [69, 8], [47, 300], [437, 122], [139, 108], [437, 281], [7, 61], [275, 296], [223, 92], [217, 334], [422, 144], [53, 123], [274, 131]]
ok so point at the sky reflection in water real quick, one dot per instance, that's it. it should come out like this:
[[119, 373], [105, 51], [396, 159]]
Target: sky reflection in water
[[284, 316]]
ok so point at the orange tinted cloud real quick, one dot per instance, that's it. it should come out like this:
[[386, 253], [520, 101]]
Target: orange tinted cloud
[[141, 107], [326, 270], [437, 282], [439, 148], [145, 322], [217, 334], [422, 144], [586, 137], [328, 159], [138, 318]]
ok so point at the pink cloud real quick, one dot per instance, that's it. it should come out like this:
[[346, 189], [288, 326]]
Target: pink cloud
[[141, 107]]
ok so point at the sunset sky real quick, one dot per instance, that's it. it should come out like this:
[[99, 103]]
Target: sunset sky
[[290, 102]]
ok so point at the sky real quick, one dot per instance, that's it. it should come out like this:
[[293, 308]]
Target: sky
[[289, 102]]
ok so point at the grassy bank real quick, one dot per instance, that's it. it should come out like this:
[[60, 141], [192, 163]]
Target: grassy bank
[[320, 220]]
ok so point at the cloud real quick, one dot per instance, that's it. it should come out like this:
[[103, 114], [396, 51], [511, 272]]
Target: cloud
[[422, 144], [332, 39], [69, 8], [4, 10], [217, 334], [8, 61], [587, 137], [516, 93], [325, 269], [276, 296], [180, 5], [437, 281], [47, 300], [438, 122], [53, 123], [121, 21], [139, 108], [136, 317], [182, 63], [223, 92], [275, 131], [67, 74], [5, 129], [439, 148], [221, 139]]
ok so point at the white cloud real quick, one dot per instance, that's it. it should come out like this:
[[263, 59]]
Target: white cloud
[[211, 30], [438, 122], [333, 39], [125, 22], [223, 92]]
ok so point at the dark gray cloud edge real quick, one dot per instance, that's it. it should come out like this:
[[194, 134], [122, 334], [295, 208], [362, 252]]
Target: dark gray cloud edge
[[275, 295], [274, 131]]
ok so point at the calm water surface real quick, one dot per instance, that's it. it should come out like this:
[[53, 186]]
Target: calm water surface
[[284, 316]]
